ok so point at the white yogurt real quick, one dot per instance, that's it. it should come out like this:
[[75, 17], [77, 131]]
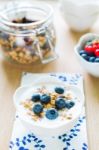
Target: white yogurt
[[44, 122]]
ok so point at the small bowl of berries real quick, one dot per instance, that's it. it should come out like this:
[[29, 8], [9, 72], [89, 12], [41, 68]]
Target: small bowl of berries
[[87, 52]]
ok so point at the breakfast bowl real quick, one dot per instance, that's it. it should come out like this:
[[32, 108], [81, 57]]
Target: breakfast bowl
[[49, 108], [87, 52]]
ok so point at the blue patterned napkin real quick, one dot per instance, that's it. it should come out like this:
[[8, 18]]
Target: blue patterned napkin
[[76, 139]]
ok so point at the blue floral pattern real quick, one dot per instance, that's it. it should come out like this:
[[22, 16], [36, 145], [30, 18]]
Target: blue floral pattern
[[67, 138], [70, 79], [38, 144], [22, 143], [84, 146]]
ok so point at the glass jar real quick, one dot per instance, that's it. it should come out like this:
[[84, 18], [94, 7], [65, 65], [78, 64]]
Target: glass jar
[[27, 32]]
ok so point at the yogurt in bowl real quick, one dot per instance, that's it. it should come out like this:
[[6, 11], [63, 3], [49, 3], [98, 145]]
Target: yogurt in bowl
[[49, 109]]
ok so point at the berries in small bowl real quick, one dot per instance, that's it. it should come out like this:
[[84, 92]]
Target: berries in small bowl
[[87, 52]]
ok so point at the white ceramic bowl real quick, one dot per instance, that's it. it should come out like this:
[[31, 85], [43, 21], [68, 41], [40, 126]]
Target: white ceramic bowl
[[91, 68], [80, 15], [52, 128]]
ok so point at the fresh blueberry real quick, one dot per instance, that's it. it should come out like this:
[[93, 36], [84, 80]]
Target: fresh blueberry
[[35, 98], [82, 52], [60, 103], [72, 103], [45, 99], [51, 114], [37, 109], [59, 90], [97, 59], [91, 59], [69, 104], [85, 56]]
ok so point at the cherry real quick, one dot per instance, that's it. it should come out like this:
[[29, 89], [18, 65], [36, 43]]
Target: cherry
[[96, 46], [97, 52], [89, 48]]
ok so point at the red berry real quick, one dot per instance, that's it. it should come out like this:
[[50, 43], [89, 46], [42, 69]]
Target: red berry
[[96, 46], [89, 48], [97, 52]]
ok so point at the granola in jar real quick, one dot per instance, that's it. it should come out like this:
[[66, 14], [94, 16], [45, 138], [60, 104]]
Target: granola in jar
[[27, 36]]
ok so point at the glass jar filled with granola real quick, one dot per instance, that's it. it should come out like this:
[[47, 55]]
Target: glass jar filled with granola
[[27, 33]]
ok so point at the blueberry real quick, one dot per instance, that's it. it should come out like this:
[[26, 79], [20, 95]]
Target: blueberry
[[91, 59], [37, 109], [35, 98], [97, 59], [82, 52], [45, 99], [69, 104], [51, 114], [72, 103], [85, 56], [60, 103], [59, 90]]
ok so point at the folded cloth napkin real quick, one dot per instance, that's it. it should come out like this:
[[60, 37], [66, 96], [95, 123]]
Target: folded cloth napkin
[[75, 139]]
